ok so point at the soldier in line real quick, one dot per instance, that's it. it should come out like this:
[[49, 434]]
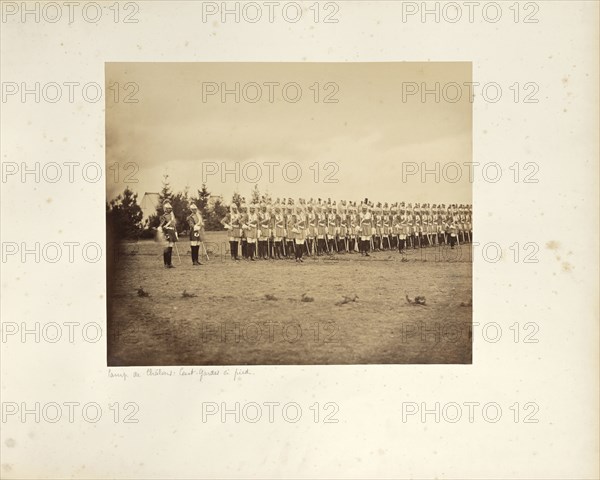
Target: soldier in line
[[451, 227], [352, 228], [232, 223], [264, 232], [168, 227], [251, 229], [341, 220], [311, 227], [299, 232], [321, 229], [196, 226], [278, 228], [243, 238], [393, 221], [366, 226], [289, 240]]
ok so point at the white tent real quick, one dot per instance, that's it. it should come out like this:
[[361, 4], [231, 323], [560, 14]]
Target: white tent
[[150, 202]]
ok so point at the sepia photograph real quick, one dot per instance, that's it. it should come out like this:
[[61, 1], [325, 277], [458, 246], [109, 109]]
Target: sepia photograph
[[289, 213], [299, 240]]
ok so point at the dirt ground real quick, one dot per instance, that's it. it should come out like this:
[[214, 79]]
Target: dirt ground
[[279, 312]]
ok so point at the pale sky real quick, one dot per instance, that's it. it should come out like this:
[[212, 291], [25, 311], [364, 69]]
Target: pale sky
[[369, 134]]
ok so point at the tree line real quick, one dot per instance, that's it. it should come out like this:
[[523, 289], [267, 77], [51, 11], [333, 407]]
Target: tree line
[[125, 218]]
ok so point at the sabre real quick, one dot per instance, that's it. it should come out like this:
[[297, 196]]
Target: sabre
[[204, 248], [177, 250]]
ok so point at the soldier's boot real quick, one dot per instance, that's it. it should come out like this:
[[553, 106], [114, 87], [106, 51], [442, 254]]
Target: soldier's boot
[[195, 249], [235, 250], [367, 248], [166, 257], [170, 257]]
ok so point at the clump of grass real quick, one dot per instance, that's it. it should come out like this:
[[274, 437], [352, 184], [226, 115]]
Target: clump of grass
[[346, 300], [142, 293], [467, 304], [271, 297], [418, 300], [185, 294], [306, 298]]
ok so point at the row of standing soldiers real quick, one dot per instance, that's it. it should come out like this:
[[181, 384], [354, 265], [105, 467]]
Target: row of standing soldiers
[[275, 231]]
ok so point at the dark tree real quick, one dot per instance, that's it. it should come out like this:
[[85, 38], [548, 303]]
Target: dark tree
[[124, 215], [180, 203], [215, 215], [202, 203]]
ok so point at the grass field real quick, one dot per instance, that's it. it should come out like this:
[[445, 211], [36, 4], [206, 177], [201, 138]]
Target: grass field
[[281, 312]]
